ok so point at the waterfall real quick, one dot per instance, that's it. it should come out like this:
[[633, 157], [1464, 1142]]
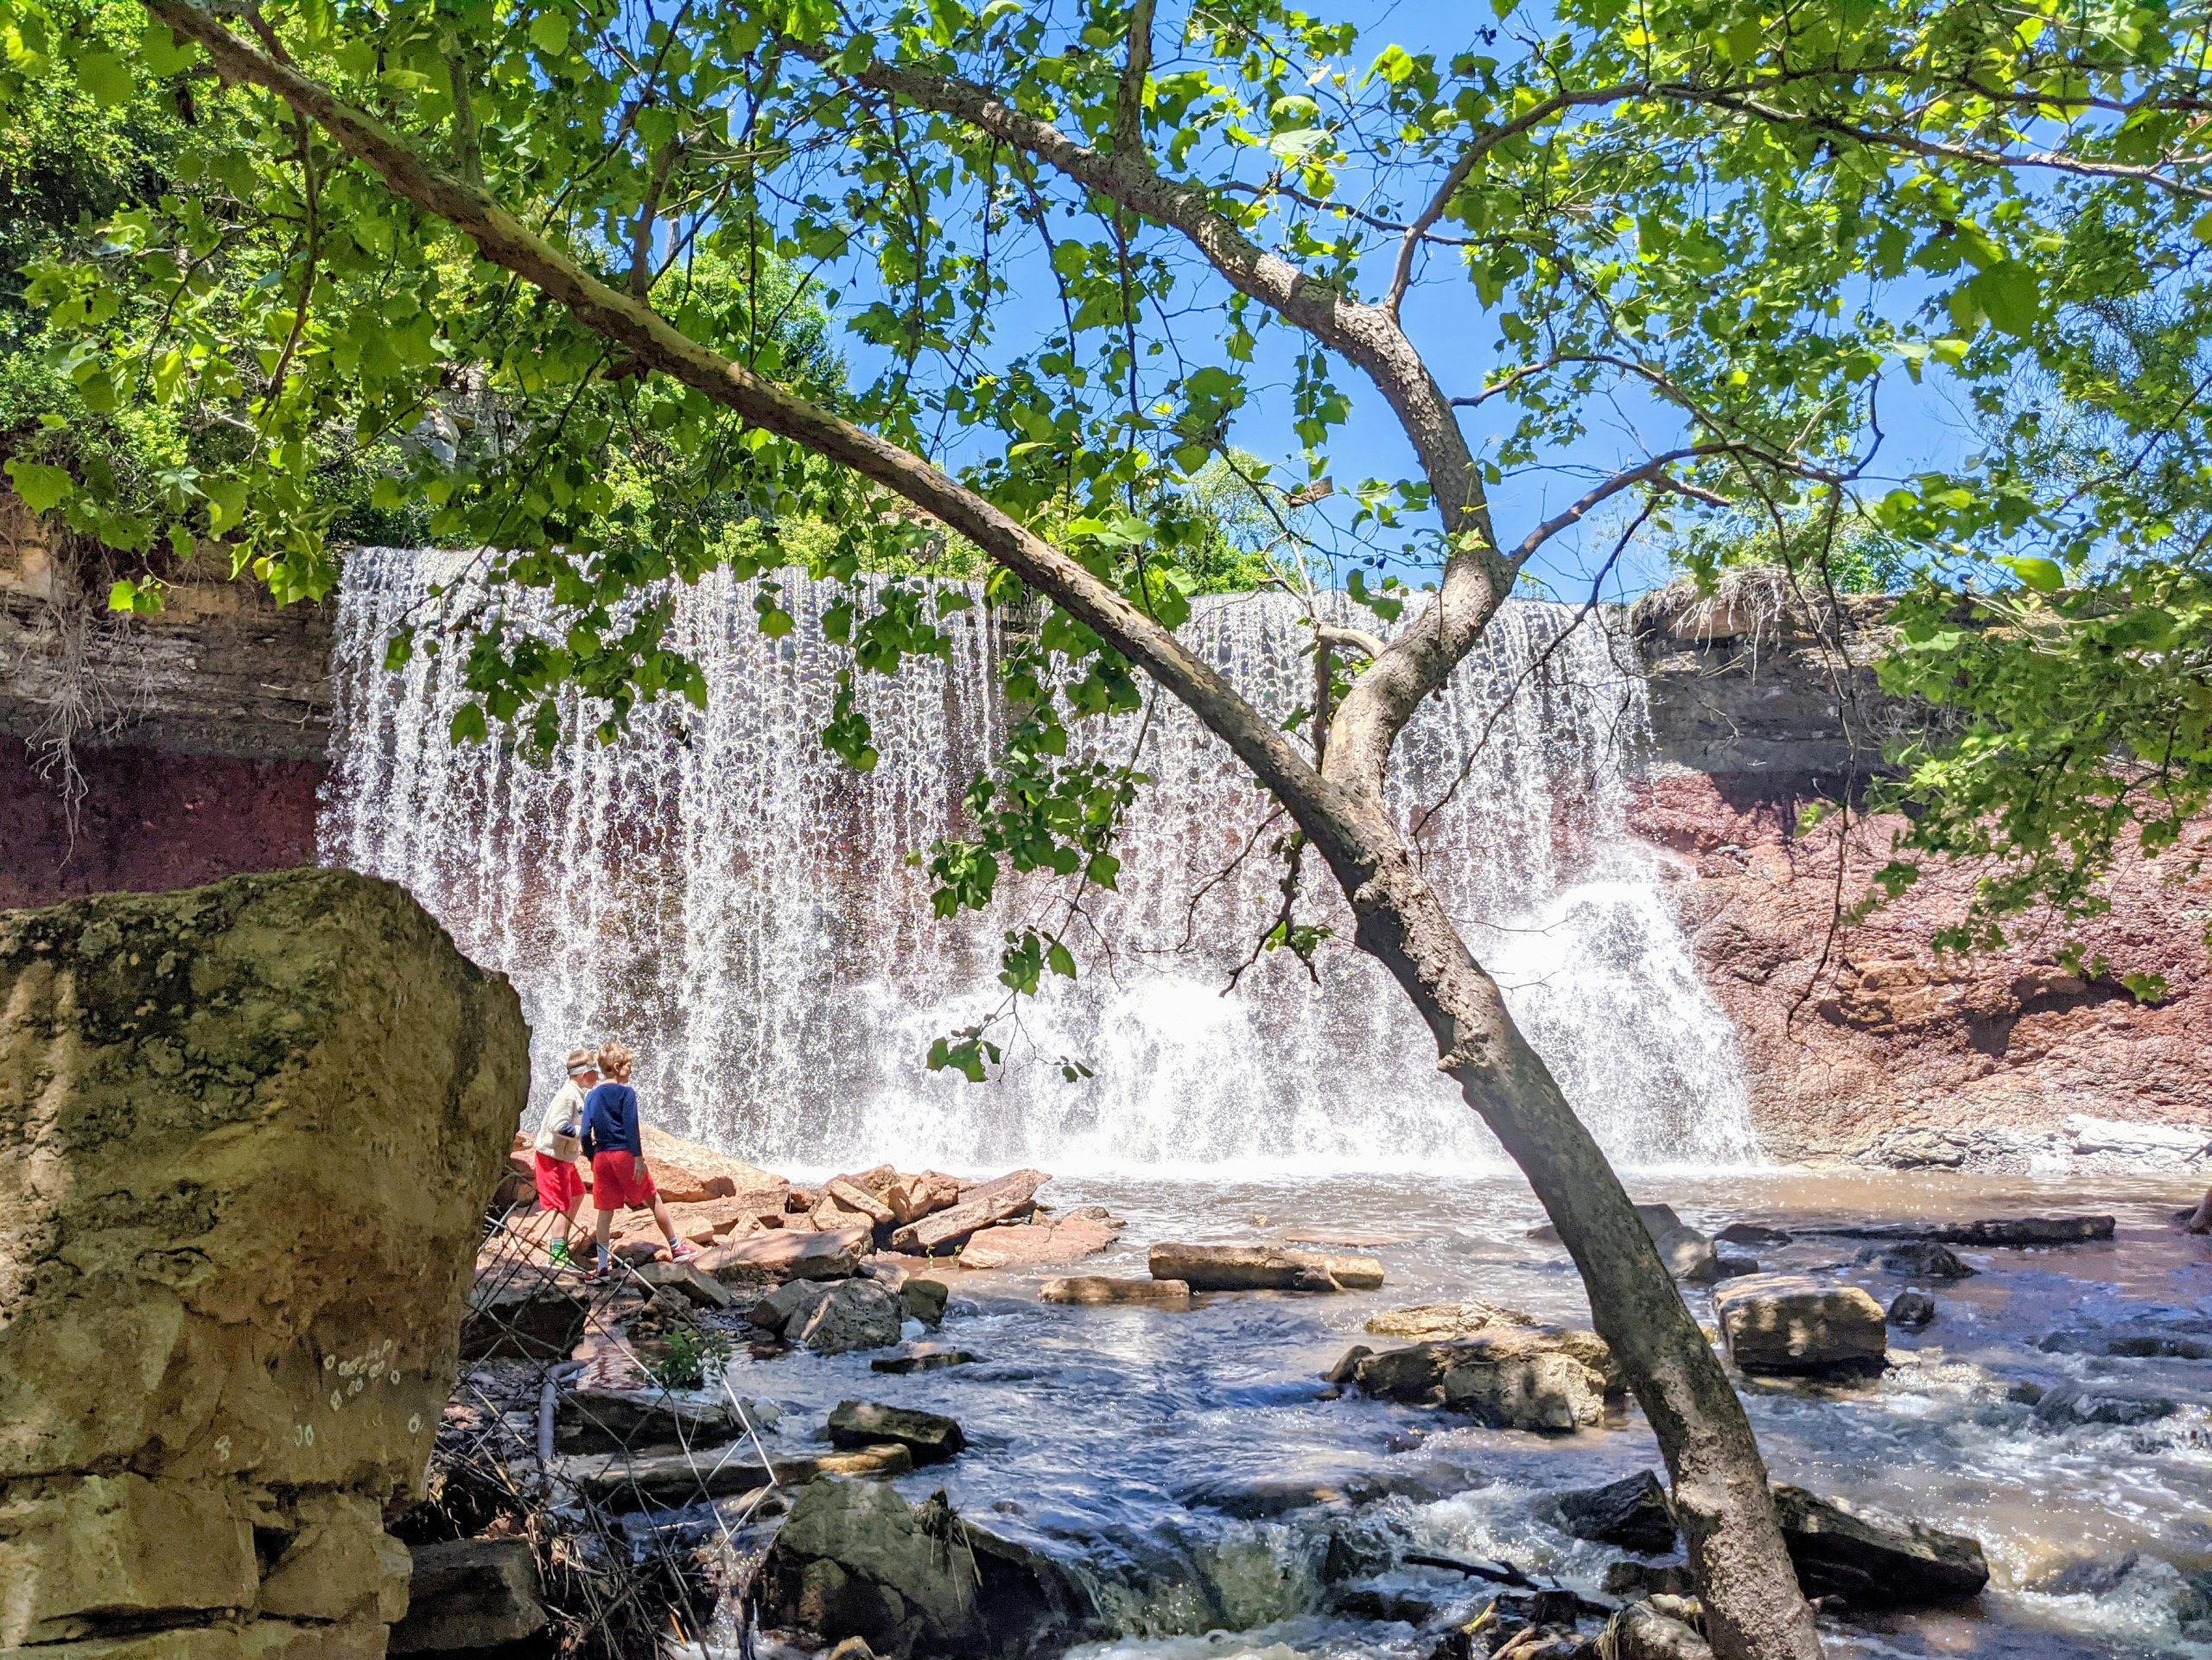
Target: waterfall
[[722, 894]]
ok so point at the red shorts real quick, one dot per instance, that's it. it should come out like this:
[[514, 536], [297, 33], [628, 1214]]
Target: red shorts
[[560, 1183], [617, 1181]]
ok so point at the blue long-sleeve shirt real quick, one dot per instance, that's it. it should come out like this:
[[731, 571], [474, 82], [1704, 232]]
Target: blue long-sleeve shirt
[[611, 1121]]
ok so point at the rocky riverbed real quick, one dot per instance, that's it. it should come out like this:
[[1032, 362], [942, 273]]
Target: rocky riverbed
[[1193, 1472]]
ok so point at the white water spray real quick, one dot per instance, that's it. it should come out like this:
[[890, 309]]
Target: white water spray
[[721, 893]]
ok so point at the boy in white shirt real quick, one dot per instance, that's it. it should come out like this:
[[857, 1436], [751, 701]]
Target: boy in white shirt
[[559, 1148]]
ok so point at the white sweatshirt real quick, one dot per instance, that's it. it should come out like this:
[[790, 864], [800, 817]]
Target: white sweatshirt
[[566, 1113]]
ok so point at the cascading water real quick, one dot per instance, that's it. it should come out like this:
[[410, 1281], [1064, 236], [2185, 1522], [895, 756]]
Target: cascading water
[[723, 894]]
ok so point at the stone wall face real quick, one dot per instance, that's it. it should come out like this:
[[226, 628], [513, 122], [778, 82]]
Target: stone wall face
[[1858, 1040], [246, 1133]]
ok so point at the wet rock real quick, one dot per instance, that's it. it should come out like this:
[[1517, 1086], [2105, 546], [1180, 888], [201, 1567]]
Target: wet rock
[[1263, 1268], [931, 1437], [470, 1594], [1548, 1393], [1632, 1513], [1639, 1631], [1688, 1256], [1650, 1579], [783, 1253], [1869, 1561], [1380, 1603], [249, 1133], [2070, 1404], [921, 1360], [1911, 1310], [925, 1299], [1521, 1379], [2133, 1342], [1782, 1324], [1754, 1234], [1443, 1322], [609, 1420], [1918, 1259], [833, 1317], [519, 1311], [1997, 1230], [640, 1481], [2023, 1391], [1036, 1244], [1091, 1289], [980, 1207], [855, 1559]]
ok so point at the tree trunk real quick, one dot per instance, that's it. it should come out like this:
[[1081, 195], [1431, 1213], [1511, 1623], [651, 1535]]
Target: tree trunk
[[1752, 1605]]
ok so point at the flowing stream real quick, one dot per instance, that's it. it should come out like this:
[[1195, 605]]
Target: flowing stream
[[724, 894]]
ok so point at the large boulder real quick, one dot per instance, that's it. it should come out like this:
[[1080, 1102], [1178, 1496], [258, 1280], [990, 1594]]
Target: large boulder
[[1785, 1323], [1872, 1561], [1040, 1243], [470, 1594], [1096, 1289], [779, 1253], [929, 1436], [1263, 1268], [832, 1317], [1632, 1513], [588, 1419], [1006, 1199], [247, 1133], [916, 1582], [1512, 1378]]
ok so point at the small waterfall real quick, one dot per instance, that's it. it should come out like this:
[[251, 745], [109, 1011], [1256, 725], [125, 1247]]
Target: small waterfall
[[724, 894]]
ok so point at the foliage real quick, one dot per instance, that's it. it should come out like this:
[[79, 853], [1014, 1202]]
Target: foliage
[[690, 1356], [1749, 221]]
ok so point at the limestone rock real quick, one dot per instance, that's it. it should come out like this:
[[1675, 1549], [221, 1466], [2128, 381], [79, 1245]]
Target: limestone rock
[[912, 1198], [1036, 1244], [929, 1436], [638, 1481], [1096, 1289], [918, 1582], [845, 1315], [1872, 1561], [684, 1279], [1784, 1323], [1632, 1513], [1640, 1632], [247, 1133], [1263, 1268], [470, 1594], [687, 1173], [588, 1419], [1550, 1393], [925, 1299], [1443, 1322], [1689, 1254], [979, 1207], [518, 1311], [782, 1253]]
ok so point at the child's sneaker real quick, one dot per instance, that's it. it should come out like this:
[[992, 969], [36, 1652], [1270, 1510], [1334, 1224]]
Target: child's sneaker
[[682, 1251], [559, 1253]]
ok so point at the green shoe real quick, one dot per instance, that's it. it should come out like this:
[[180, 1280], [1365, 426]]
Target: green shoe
[[559, 1253]]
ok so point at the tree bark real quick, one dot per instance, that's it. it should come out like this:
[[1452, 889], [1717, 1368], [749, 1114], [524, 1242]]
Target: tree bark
[[1752, 1606]]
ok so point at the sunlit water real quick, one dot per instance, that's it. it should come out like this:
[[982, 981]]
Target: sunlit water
[[724, 894], [1164, 1453]]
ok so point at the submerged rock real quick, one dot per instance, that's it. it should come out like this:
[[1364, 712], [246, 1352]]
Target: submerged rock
[[1632, 1513], [1263, 1268], [931, 1437], [1918, 1259], [1911, 1310], [1093, 1289], [920, 1360], [470, 1594], [1750, 1233], [250, 1131], [919, 1582], [1869, 1561], [2082, 1403], [2133, 1343], [1785, 1323]]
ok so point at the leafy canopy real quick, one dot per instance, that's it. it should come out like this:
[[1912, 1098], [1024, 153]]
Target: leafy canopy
[[1735, 228]]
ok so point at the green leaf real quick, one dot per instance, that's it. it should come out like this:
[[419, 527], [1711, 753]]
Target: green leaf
[[549, 32], [2010, 295], [105, 76], [43, 488], [2041, 575], [467, 724]]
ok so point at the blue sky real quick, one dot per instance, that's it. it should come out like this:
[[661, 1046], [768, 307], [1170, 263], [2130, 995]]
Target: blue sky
[[1445, 322]]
